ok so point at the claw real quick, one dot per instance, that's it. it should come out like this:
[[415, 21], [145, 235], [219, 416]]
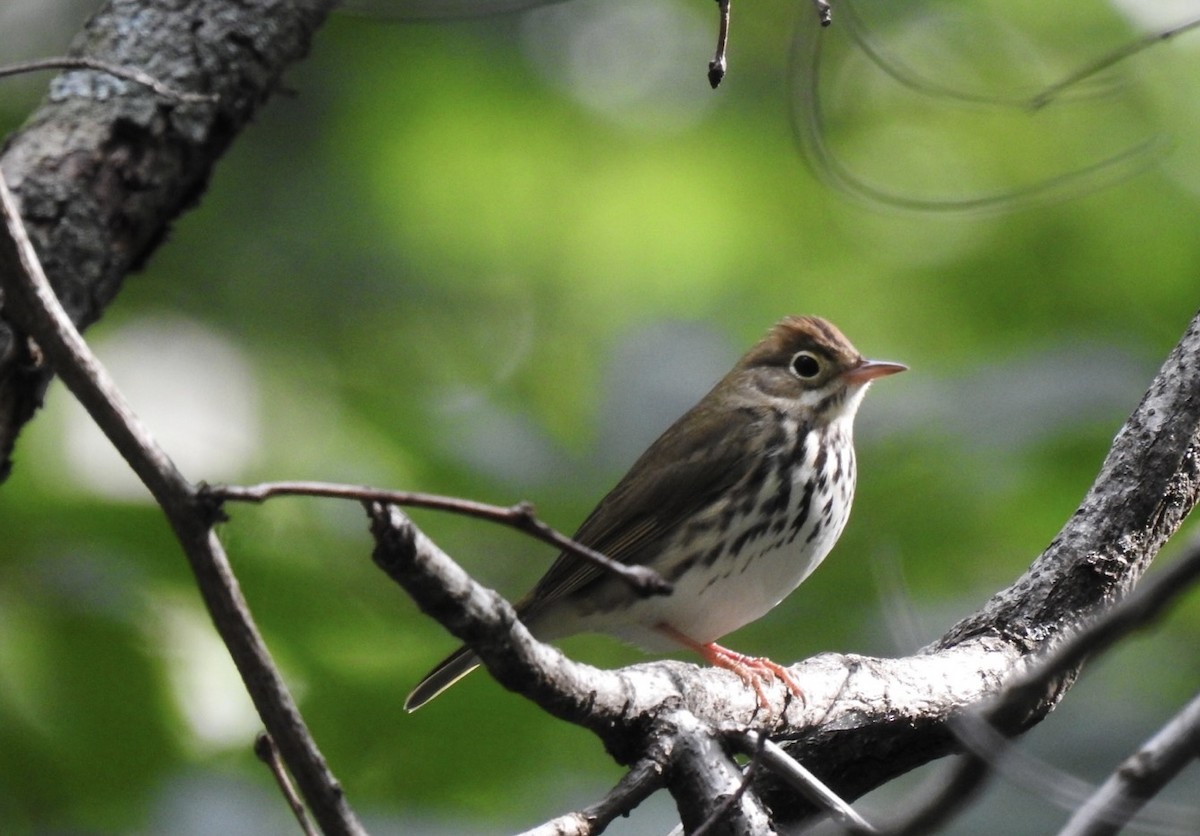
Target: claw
[[755, 671]]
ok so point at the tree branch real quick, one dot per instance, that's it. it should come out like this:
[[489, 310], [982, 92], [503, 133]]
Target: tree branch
[[801, 779], [756, 748], [708, 785], [33, 307], [128, 73], [1140, 777], [104, 165], [481, 618], [265, 751], [643, 779], [521, 516]]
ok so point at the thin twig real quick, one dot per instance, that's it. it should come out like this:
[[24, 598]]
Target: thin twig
[[31, 304], [643, 779], [718, 65], [521, 516], [265, 751], [128, 73], [1140, 777], [824, 12], [796, 775]]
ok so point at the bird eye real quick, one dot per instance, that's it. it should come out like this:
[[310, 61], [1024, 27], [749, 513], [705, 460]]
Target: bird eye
[[805, 365]]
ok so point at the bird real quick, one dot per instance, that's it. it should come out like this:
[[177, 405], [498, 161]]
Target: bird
[[734, 505]]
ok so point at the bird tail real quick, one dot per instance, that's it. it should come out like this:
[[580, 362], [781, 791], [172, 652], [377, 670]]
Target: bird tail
[[453, 668]]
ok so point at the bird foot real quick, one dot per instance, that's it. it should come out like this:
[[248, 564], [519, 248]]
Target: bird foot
[[755, 671]]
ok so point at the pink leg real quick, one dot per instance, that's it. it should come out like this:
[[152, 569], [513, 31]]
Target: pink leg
[[755, 671]]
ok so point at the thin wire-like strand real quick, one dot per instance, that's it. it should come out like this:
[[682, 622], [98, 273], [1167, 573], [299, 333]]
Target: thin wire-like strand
[[811, 127], [127, 73]]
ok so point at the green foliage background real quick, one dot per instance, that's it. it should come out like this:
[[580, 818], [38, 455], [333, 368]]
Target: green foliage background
[[445, 265]]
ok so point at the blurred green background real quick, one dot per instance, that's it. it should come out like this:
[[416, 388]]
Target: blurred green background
[[495, 259]]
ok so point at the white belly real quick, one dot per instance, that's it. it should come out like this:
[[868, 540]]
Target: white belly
[[722, 591]]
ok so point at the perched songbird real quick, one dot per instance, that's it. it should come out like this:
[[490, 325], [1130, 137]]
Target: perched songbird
[[735, 505]]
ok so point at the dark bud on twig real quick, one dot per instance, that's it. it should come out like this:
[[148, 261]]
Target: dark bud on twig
[[716, 71], [717, 66], [824, 12]]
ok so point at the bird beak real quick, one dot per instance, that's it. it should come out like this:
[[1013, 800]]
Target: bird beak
[[868, 370]]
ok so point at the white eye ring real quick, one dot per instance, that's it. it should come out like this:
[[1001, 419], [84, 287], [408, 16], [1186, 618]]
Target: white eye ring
[[805, 365]]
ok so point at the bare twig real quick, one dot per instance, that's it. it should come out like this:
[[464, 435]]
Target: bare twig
[[265, 751], [718, 65], [128, 73], [520, 516], [31, 304], [794, 773], [643, 778], [824, 12], [1141, 776]]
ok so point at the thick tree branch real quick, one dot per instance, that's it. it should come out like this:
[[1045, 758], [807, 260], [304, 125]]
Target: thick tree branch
[[482, 618], [104, 165], [36, 311], [708, 784]]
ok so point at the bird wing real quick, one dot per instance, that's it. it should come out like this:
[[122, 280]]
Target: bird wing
[[690, 465]]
